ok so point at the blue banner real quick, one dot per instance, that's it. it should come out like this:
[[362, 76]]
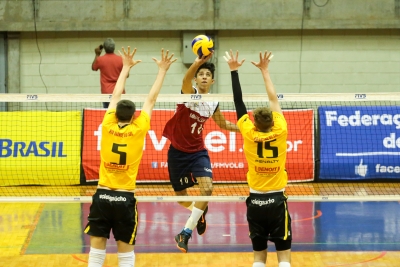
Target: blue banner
[[359, 142]]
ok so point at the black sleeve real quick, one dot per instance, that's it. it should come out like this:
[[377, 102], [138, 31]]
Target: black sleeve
[[237, 95]]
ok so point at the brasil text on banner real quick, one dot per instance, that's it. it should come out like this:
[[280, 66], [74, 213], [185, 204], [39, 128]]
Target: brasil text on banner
[[40, 148]]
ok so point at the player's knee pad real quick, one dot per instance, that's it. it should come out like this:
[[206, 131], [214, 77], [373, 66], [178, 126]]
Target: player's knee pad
[[126, 259], [281, 244], [259, 243], [96, 257]]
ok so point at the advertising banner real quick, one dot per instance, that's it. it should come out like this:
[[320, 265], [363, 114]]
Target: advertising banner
[[359, 142], [40, 148], [225, 148]]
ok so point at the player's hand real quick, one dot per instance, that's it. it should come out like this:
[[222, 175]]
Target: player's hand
[[232, 60], [98, 50], [127, 57], [166, 60], [203, 59], [264, 60]]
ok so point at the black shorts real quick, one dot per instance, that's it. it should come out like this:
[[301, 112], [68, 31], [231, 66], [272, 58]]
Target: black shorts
[[184, 168], [269, 219], [116, 211]]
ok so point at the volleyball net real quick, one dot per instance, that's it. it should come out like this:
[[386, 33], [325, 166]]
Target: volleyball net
[[339, 147]]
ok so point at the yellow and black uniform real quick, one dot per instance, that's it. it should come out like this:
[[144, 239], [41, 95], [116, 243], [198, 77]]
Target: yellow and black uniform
[[267, 211], [265, 153], [121, 152]]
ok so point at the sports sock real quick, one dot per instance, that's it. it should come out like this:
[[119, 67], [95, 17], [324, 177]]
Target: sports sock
[[96, 257], [284, 264], [193, 219], [258, 264], [126, 259], [191, 206]]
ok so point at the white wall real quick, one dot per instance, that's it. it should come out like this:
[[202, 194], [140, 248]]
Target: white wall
[[331, 61]]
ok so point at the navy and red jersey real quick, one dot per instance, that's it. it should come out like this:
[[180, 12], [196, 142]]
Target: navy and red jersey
[[185, 128]]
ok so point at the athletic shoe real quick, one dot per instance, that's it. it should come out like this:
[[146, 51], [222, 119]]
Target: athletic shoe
[[202, 224], [182, 241]]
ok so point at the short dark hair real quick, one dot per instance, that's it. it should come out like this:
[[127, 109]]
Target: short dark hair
[[207, 65], [125, 110], [263, 118], [109, 45]]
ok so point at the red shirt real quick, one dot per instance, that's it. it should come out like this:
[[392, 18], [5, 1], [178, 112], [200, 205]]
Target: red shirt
[[110, 66]]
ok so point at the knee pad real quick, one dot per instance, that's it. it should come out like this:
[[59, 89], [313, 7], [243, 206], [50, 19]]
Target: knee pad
[[126, 259]]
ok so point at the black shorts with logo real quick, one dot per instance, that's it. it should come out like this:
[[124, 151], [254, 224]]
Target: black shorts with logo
[[116, 211], [184, 168], [268, 218]]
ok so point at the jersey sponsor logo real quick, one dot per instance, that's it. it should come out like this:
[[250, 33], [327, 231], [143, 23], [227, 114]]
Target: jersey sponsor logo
[[154, 165], [267, 169], [114, 166], [112, 198], [260, 202], [267, 161], [195, 117], [8, 148]]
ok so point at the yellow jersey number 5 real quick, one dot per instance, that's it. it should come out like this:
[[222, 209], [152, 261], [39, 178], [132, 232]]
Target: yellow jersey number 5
[[122, 154]]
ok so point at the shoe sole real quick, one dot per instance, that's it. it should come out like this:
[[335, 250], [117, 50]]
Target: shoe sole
[[181, 249]]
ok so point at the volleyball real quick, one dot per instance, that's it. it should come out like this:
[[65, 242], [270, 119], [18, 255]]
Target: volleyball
[[202, 45]]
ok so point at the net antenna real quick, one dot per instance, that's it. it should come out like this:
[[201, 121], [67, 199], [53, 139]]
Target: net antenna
[[341, 147]]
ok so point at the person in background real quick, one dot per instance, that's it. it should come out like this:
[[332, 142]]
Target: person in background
[[110, 66], [265, 151]]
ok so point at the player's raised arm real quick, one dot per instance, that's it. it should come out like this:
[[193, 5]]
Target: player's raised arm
[[234, 66], [187, 87], [163, 65], [128, 62], [265, 58], [220, 120]]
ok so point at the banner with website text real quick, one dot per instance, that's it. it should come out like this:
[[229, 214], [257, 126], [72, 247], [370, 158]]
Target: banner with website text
[[40, 148], [363, 141], [225, 148]]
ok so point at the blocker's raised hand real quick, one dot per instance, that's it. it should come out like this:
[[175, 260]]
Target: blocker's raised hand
[[127, 57], [264, 60], [165, 61], [232, 60]]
